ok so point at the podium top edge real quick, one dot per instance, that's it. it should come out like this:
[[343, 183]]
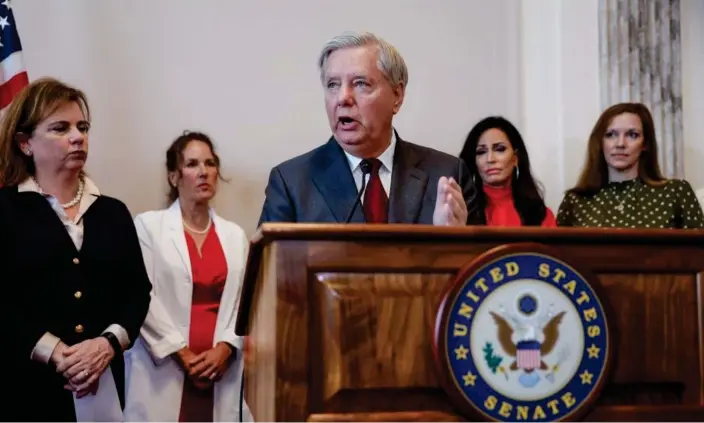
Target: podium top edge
[[269, 232]]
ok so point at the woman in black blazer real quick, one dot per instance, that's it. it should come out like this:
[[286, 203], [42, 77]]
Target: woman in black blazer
[[75, 289]]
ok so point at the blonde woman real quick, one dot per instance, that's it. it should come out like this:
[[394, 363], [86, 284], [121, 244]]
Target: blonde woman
[[75, 288]]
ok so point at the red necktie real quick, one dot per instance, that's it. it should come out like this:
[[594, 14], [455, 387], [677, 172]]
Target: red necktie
[[375, 200]]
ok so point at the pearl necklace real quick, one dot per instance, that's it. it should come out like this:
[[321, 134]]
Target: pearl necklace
[[74, 201], [203, 232]]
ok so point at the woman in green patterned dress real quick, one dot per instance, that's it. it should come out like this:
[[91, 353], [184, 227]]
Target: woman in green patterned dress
[[621, 185]]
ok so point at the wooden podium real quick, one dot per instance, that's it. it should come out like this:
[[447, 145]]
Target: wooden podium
[[340, 318]]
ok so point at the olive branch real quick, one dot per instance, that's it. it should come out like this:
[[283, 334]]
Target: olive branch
[[492, 360]]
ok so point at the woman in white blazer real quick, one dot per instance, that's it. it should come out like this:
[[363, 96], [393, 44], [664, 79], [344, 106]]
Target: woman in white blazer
[[187, 363]]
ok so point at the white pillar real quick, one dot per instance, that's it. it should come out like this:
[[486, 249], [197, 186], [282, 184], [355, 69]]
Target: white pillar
[[692, 88], [640, 61], [560, 88]]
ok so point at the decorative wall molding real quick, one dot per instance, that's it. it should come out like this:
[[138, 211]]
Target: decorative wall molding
[[640, 61]]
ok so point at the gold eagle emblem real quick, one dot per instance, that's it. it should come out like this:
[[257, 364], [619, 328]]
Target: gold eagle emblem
[[550, 332]]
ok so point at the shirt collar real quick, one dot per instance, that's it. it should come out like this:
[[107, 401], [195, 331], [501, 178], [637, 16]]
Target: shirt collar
[[90, 194], [386, 158], [498, 194], [30, 185]]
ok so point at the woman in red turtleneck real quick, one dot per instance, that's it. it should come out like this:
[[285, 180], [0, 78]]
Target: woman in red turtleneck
[[498, 164]]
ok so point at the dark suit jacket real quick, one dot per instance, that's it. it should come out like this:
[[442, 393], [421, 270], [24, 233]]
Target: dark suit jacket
[[41, 273], [318, 186]]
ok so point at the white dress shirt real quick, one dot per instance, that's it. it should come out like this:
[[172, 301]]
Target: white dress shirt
[[387, 164]]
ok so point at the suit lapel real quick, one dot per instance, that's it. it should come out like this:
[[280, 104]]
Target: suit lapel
[[41, 211], [408, 185], [332, 177], [229, 248], [174, 222]]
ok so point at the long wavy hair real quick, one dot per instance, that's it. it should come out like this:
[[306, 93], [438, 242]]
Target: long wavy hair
[[527, 195], [595, 173]]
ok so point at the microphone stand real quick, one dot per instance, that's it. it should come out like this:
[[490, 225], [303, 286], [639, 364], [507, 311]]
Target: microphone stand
[[366, 168]]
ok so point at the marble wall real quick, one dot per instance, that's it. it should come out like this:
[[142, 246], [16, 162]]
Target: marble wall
[[640, 61]]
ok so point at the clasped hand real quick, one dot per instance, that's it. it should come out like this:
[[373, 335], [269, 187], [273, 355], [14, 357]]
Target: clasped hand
[[82, 364], [450, 208], [207, 367]]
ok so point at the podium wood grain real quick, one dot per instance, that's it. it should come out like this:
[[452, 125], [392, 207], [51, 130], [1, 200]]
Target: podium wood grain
[[341, 318]]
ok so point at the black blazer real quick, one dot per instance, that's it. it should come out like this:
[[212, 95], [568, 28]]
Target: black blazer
[[318, 187], [42, 274]]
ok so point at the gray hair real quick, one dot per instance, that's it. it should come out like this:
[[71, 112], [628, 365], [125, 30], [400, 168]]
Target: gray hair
[[390, 61]]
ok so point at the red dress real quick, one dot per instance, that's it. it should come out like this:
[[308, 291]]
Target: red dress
[[500, 210], [209, 274]]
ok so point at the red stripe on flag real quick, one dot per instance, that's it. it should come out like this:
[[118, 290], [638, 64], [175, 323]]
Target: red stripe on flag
[[9, 89], [528, 359]]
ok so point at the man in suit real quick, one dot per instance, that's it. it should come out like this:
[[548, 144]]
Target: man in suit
[[364, 79]]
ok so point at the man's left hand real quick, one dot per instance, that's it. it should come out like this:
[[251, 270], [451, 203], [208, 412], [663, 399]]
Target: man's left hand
[[450, 208]]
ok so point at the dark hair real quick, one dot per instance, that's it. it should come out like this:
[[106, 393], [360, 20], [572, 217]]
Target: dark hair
[[174, 157], [595, 173], [527, 196], [28, 109]]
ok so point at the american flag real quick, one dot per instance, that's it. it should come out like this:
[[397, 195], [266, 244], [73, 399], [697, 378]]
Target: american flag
[[13, 75]]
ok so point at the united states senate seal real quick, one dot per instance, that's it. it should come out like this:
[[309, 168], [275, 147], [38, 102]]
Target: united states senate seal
[[522, 336]]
